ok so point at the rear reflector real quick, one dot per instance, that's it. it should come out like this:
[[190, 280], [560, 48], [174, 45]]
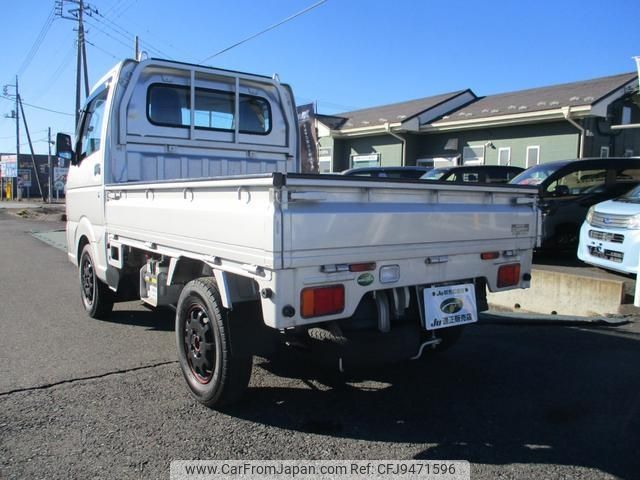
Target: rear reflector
[[362, 267], [509, 275], [489, 255], [319, 301]]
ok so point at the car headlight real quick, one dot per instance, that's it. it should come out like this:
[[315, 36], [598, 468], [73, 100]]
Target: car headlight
[[634, 222], [590, 214]]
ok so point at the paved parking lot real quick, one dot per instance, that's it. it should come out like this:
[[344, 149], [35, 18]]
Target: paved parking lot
[[105, 399]]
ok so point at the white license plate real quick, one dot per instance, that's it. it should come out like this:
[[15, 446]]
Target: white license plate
[[451, 305]]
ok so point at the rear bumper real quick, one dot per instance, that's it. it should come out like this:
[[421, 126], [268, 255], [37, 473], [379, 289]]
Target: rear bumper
[[287, 284]]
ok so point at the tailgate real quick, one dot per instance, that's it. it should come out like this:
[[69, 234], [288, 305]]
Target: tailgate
[[333, 220]]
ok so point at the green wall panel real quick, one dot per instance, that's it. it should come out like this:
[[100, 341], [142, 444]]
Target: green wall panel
[[389, 148], [557, 141]]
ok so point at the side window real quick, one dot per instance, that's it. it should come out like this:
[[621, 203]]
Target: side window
[[92, 125], [473, 155], [628, 175], [497, 176], [578, 182], [255, 115], [169, 105], [533, 156], [504, 156]]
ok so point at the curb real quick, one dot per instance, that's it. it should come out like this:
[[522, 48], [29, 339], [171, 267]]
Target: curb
[[516, 318]]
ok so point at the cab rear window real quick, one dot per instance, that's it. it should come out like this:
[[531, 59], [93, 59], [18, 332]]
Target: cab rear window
[[170, 106]]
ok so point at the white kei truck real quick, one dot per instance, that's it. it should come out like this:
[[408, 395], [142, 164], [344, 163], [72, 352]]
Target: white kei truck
[[185, 191]]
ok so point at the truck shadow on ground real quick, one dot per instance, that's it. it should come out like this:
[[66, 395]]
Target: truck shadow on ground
[[161, 319], [503, 395]]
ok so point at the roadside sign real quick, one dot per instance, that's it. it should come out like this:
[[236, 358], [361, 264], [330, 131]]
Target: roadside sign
[[24, 177], [59, 177], [9, 168]]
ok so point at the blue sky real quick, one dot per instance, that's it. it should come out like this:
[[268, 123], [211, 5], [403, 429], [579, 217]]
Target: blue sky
[[344, 54]]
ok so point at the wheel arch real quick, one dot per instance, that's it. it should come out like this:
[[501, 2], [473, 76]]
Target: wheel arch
[[95, 236], [82, 241], [231, 286]]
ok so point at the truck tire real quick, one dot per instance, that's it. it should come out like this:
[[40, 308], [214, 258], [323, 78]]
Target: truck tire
[[97, 298], [217, 373]]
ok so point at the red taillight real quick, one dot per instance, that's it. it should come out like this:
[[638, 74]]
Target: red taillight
[[319, 301], [509, 275], [489, 255]]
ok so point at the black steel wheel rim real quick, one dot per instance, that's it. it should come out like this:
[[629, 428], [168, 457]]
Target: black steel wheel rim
[[199, 343], [88, 279]]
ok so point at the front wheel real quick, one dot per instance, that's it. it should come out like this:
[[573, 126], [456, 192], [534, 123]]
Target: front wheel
[[96, 296], [217, 373]]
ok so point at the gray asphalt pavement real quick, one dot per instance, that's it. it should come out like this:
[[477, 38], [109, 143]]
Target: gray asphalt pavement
[[81, 398], [46, 336]]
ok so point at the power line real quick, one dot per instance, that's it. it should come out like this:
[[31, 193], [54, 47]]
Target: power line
[[95, 25], [125, 8], [113, 7], [179, 51], [13, 136], [128, 35], [77, 13], [295, 15], [39, 107], [56, 74], [101, 49], [37, 43]]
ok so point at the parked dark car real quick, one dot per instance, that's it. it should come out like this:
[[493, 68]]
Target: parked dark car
[[388, 172], [568, 188], [473, 174]]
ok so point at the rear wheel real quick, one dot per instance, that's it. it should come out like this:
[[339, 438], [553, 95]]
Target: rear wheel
[[96, 296], [216, 369]]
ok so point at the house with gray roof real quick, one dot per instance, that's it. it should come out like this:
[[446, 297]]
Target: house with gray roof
[[521, 128]]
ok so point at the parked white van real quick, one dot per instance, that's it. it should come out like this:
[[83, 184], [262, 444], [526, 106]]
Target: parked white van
[[610, 235]]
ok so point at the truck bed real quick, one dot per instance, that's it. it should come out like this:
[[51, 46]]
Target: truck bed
[[278, 221]]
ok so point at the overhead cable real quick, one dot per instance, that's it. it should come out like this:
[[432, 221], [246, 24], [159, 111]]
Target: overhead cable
[[295, 15], [37, 106], [37, 43], [128, 35]]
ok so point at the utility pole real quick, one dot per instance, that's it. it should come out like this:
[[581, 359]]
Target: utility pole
[[136, 49], [15, 186], [76, 13], [33, 155], [49, 166], [14, 114]]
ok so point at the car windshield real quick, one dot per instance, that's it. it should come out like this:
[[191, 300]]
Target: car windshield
[[632, 196], [535, 175], [434, 174]]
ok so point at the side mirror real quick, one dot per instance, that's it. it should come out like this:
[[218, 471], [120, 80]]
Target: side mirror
[[561, 191], [64, 148]]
